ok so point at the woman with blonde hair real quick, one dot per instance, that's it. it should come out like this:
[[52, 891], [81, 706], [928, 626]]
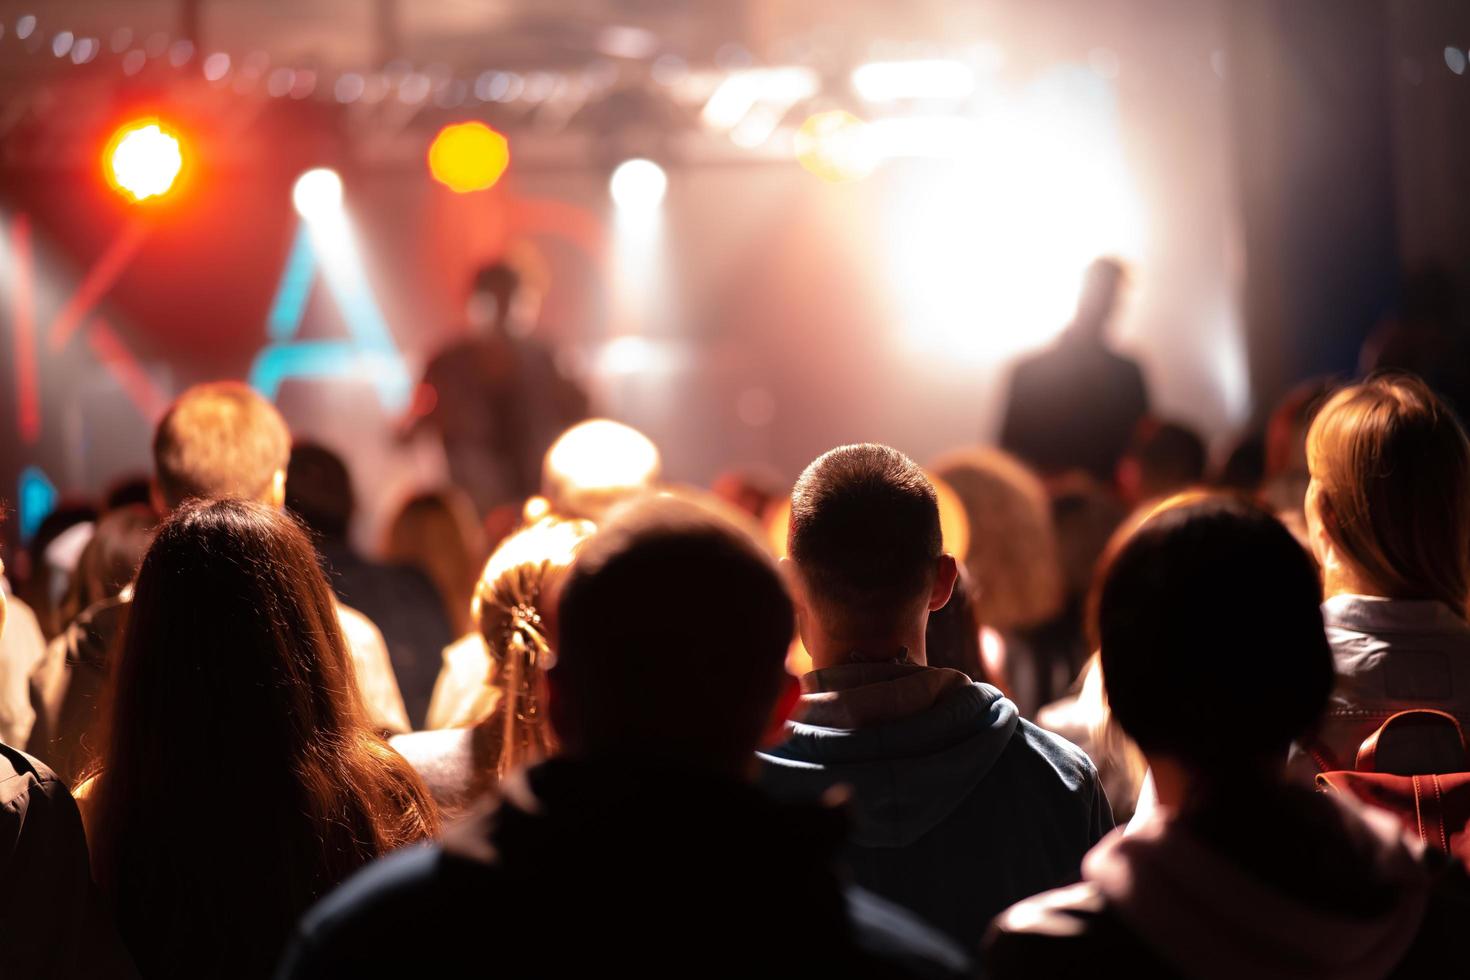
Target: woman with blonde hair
[[491, 696], [1388, 515]]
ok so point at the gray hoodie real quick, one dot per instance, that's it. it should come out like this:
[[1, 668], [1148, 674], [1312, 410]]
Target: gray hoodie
[[959, 806]]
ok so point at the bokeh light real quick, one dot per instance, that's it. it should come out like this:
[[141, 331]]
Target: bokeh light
[[836, 146], [638, 185], [318, 194], [143, 159], [468, 156]]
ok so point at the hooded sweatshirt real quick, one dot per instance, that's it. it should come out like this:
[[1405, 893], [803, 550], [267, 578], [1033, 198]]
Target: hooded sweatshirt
[[959, 806], [619, 867], [1305, 886]]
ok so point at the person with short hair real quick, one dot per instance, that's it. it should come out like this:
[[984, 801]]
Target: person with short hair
[[642, 848], [960, 806], [218, 439], [1214, 660], [238, 779], [1388, 516]]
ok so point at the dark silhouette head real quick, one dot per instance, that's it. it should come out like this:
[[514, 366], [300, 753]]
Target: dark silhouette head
[[866, 544], [1213, 651], [319, 491], [492, 294], [1163, 458], [239, 780], [110, 559], [220, 439], [952, 638], [1099, 298], [671, 636]]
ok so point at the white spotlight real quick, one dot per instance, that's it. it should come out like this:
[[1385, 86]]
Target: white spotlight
[[638, 185], [318, 194]]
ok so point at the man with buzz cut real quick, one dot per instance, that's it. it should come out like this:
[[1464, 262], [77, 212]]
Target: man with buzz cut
[[960, 807], [220, 439]]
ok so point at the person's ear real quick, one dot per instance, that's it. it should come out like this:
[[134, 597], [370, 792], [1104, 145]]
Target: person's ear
[[276, 495], [782, 711], [947, 570]]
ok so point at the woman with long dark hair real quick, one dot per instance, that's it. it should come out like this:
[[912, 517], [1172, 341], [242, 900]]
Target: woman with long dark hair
[[239, 780]]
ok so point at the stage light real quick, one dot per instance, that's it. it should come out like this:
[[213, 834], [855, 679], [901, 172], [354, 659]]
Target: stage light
[[890, 81], [468, 156], [143, 159], [318, 194], [638, 185], [836, 146]]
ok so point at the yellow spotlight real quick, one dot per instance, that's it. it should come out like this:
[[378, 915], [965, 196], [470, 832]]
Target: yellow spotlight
[[143, 159], [468, 156], [836, 146]]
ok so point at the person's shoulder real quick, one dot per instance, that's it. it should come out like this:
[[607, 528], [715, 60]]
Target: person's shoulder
[[1069, 762], [1065, 932], [895, 936], [381, 899], [22, 774]]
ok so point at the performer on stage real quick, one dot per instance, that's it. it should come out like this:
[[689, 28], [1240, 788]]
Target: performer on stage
[[496, 396]]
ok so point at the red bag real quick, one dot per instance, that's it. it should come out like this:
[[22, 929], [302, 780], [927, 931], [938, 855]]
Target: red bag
[[1436, 806]]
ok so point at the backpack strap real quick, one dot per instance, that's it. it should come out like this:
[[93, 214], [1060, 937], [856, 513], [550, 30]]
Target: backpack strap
[[1368, 751]]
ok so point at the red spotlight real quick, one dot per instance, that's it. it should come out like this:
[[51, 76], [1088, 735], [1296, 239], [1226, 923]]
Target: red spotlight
[[143, 159], [468, 156]]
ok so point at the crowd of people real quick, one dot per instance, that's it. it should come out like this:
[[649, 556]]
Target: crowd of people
[[1015, 714]]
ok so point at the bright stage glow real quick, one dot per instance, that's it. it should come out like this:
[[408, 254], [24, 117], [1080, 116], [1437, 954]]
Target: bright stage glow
[[143, 159], [638, 185], [318, 194], [836, 146], [992, 219], [891, 81], [468, 156]]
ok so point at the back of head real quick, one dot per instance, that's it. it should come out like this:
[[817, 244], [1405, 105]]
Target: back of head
[[437, 533], [1100, 286], [319, 490], [512, 612], [111, 557], [220, 439], [1212, 645], [1391, 468], [234, 697], [1168, 457], [1013, 554], [865, 533], [596, 465], [672, 632]]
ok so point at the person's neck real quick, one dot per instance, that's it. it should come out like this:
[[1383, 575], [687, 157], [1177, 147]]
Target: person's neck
[[829, 649], [1178, 788], [1340, 578]]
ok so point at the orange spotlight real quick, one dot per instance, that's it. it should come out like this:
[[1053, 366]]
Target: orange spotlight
[[836, 146], [143, 159], [468, 156]]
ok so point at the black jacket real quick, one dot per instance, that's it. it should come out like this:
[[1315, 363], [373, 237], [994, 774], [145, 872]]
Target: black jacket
[[625, 870], [51, 918]]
